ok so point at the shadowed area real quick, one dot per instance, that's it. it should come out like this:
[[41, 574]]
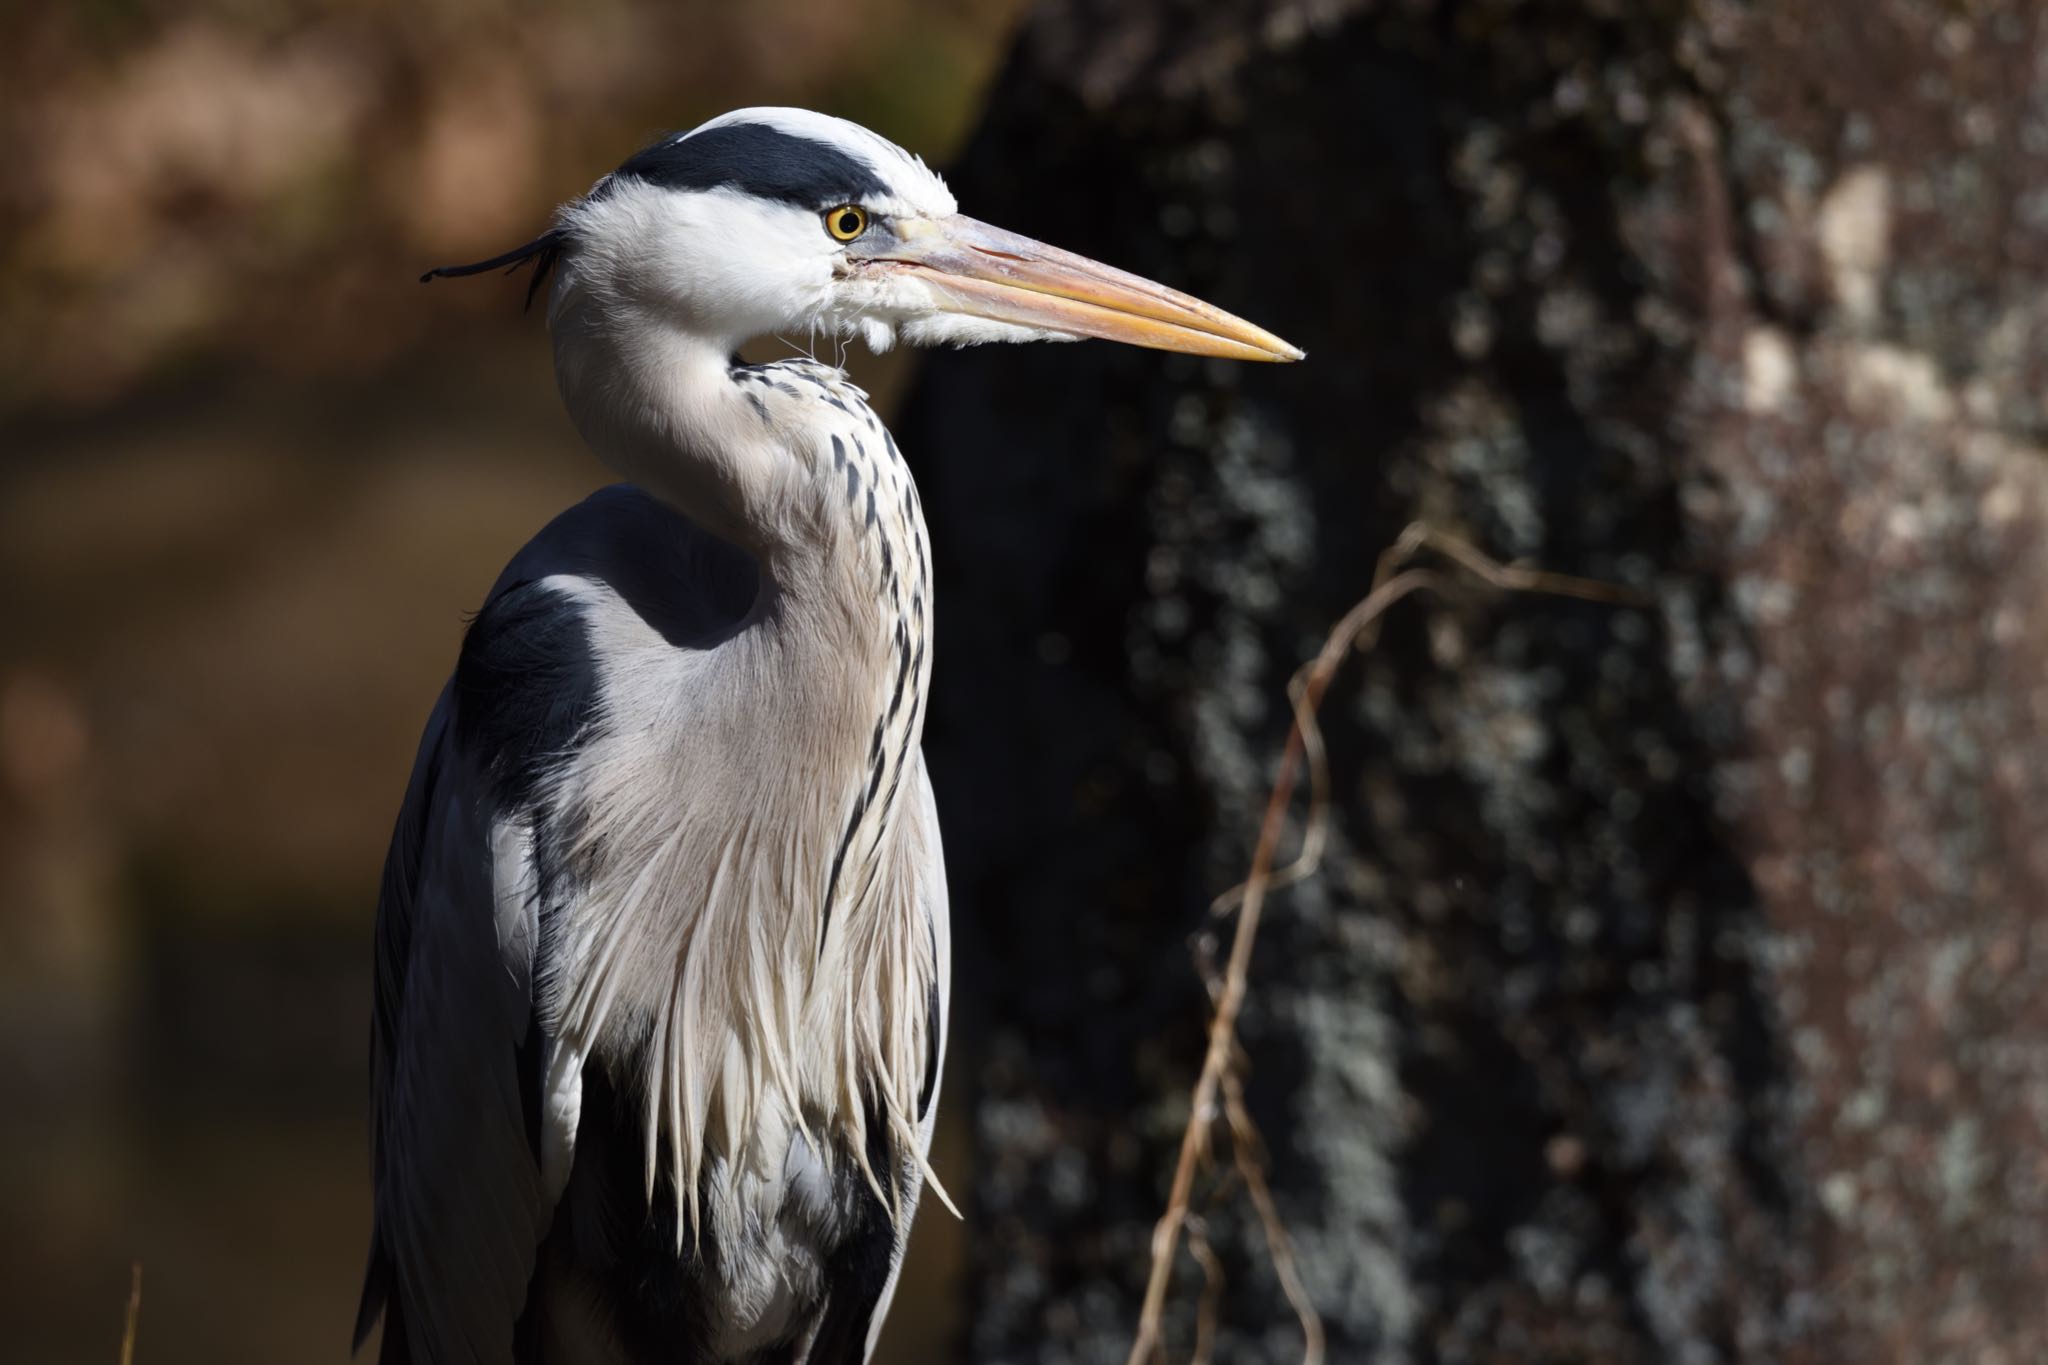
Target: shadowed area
[[1669, 991]]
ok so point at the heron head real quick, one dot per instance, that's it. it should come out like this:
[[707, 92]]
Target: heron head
[[786, 222]]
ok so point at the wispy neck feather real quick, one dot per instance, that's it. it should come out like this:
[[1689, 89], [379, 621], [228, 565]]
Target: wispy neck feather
[[755, 938]]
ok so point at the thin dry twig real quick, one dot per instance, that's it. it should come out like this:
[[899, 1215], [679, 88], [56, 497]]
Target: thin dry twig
[[1211, 1304], [1249, 1149], [134, 1314], [1358, 628]]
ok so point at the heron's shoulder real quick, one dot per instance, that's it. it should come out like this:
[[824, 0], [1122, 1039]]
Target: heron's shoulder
[[525, 684], [621, 550]]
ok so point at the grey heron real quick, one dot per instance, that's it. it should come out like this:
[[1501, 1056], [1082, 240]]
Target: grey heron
[[661, 965]]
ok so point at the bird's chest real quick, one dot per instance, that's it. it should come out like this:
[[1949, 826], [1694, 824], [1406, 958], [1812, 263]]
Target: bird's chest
[[624, 1288]]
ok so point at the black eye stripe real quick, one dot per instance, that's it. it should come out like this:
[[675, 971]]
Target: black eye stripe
[[758, 160]]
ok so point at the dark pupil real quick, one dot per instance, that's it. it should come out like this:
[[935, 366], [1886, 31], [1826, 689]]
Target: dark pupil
[[849, 221]]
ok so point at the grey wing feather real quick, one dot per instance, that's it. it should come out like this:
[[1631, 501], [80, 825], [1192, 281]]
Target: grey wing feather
[[458, 1196], [461, 1205]]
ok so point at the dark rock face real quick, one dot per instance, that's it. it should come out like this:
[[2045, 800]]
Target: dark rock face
[[1674, 988]]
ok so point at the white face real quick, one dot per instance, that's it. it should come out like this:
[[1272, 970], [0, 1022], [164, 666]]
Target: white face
[[785, 222]]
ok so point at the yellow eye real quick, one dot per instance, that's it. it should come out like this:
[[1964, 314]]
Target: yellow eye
[[846, 222]]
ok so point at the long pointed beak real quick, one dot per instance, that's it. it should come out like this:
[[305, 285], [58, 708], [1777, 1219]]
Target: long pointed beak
[[985, 272]]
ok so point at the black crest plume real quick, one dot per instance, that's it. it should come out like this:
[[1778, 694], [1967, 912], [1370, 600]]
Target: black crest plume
[[543, 251]]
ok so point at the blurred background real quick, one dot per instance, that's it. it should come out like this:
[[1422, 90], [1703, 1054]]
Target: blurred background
[[1676, 984]]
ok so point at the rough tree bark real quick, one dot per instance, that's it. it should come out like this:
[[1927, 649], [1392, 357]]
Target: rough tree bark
[[1674, 989]]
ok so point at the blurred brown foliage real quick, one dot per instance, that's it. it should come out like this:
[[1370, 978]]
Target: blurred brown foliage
[[237, 181]]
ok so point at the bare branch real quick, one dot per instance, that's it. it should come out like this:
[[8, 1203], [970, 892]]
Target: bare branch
[[1250, 1150], [134, 1314], [1358, 628], [1212, 1292]]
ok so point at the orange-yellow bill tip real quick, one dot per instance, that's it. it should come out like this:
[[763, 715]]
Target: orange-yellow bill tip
[[986, 272]]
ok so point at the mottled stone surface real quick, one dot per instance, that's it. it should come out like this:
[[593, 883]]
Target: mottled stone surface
[[1674, 991]]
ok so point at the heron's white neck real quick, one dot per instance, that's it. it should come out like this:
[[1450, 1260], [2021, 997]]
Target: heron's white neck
[[789, 465], [819, 698], [655, 402]]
